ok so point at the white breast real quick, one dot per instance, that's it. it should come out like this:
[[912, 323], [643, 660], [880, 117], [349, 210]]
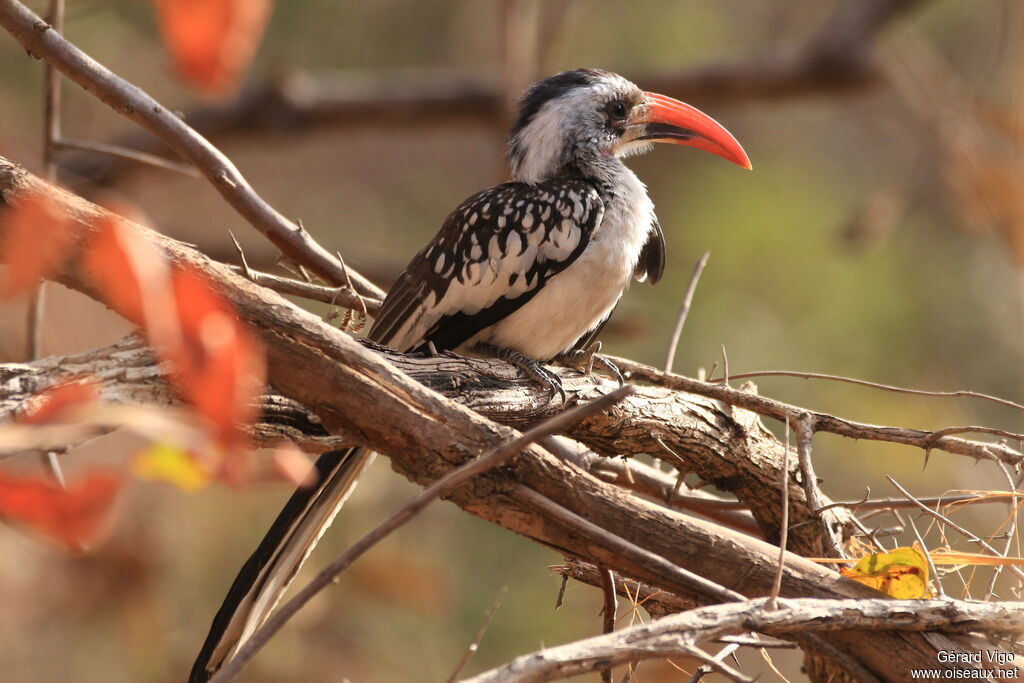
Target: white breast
[[576, 300]]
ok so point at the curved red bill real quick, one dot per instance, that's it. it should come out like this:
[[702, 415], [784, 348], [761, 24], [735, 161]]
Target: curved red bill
[[669, 120]]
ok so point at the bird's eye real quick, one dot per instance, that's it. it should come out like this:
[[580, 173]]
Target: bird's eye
[[617, 109]]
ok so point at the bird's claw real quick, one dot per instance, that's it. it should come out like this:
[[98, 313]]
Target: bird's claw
[[584, 361], [553, 381], [529, 367], [609, 367]]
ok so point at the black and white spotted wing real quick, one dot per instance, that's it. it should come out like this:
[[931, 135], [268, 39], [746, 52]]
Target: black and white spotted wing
[[491, 256]]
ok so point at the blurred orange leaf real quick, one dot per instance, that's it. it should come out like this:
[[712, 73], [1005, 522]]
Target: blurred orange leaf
[[171, 464], [220, 366], [901, 573], [75, 517], [130, 274], [217, 365], [37, 237], [54, 403], [212, 42]]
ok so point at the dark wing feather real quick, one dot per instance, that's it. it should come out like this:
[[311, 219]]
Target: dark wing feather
[[491, 256], [651, 265]]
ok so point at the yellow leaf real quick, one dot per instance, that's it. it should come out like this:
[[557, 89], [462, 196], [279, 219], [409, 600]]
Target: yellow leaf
[[901, 573], [168, 463]]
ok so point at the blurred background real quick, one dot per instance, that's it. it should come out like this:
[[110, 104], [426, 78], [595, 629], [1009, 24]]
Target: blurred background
[[880, 236]]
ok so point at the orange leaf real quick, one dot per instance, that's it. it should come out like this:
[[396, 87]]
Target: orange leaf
[[37, 237], [130, 274], [212, 42], [76, 517], [220, 366], [54, 404]]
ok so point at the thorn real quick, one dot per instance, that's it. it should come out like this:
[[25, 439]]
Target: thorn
[[725, 367], [50, 458], [351, 287], [561, 591], [241, 256], [223, 177]]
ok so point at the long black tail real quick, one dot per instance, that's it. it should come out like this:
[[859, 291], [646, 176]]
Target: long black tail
[[266, 574]]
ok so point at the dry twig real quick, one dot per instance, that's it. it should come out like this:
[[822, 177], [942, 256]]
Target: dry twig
[[684, 310], [812, 493], [878, 385], [608, 611], [953, 525], [823, 421], [475, 644], [783, 527]]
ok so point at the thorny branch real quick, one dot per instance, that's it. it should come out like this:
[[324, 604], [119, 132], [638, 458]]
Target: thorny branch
[[823, 422], [36, 36], [427, 435], [336, 296]]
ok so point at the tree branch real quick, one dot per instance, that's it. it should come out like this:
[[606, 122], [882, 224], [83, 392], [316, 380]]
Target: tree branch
[[36, 36], [823, 422], [675, 635]]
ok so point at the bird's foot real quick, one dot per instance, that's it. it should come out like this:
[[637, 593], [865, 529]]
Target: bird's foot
[[529, 367], [585, 360]]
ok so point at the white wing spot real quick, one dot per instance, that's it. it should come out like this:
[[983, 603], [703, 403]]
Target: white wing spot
[[514, 244]]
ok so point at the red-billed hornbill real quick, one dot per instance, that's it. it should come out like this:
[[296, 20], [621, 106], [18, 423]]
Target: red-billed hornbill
[[529, 270]]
